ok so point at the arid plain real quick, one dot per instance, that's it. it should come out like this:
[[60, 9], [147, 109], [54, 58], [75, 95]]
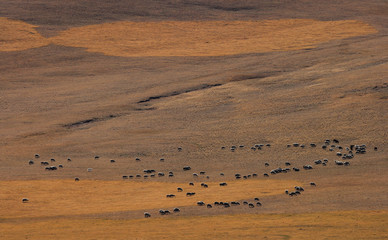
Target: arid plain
[[137, 79]]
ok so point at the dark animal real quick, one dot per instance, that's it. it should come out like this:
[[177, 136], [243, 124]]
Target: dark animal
[[30, 162], [125, 177], [180, 189], [186, 168], [251, 205], [209, 206], [223, 184], [191, 184], [313, 184], [147, 215], [266, 175], [200, 203], [37, 156], [112, 161], [25, 200], [176, 210], [76, 179], [170, 195]]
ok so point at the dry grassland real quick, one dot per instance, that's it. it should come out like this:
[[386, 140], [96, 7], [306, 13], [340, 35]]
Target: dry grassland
[[327, 225], [210, 38], [66, 197], [18, 35], [207, 38]]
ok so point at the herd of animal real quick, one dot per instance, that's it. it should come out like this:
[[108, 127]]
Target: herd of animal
[[343, 153]]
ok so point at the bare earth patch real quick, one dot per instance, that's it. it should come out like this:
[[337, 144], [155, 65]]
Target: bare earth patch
[[66, 197]]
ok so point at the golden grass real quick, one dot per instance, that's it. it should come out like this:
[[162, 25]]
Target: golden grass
[[18, 35], [66, 197], [326, 225], [175, 38], [207, 38]]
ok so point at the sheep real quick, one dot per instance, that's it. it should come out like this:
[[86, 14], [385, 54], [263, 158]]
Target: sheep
[[295, 144], [245, 203], [170, 195], [258, 204], [195, 175], [52, 160], [160, 174], [200, 203], [223, 184], [60, 166], [112, 161], [234, 203], [266, 175], [295, 169], [191, 184], [209, 206], [96, 157], [222, 174], [179, 189], [186, 168], [30, 162], [137, 159], [313, 145], [189, 194], [313, 184], [226, 205], [251, 205], [256, 199], [76, 179], [37, 156], [162, 159], [147, 215], [176, 210], [25, 200], [202, 173]]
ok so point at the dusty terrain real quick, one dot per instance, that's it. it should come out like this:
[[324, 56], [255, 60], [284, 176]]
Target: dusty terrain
[[139, 79]]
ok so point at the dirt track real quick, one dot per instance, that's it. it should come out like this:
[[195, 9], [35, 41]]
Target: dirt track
[[63, 101]]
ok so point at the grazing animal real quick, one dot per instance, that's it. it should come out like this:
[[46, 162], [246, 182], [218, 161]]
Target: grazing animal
[[266, 175], [251, 205], [25, 200], [235, 203], [96, 157], [202, 173], [189, 194], [160, 174], [60, 166], [222, 174], [223, 184], [176, 210], [52, 160], [30, 162], [287, 163], [195, 175], [258, 204], [179, 189], [179, 149], [256, 199], [112, 161], [191, 184], [170, 195], [286, 191], [313, 184], [69, 159], [162, 159], [245, 203], [147, 215], [186, 168], [226, 204], [266, 164], [37, 156], [137, 159], [200, 203], [209, 206], [125, 177], [76, 179]]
